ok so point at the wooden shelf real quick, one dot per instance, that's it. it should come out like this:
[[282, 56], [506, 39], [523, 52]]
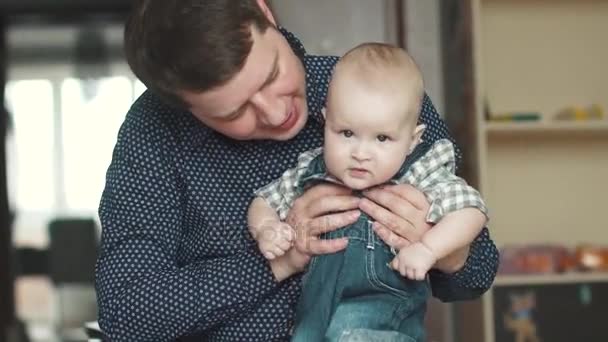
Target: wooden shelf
[[510, 128], [560, 278]]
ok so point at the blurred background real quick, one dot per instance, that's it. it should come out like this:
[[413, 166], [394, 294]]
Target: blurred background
[[523, 86]]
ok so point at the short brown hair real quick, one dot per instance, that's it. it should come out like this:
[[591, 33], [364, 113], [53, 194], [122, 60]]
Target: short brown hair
[[189, 45]]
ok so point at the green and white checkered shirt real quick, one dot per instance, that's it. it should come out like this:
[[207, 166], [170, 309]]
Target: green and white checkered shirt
[[432, 173]]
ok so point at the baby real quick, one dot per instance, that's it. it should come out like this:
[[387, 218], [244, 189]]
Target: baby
[[372, 137]]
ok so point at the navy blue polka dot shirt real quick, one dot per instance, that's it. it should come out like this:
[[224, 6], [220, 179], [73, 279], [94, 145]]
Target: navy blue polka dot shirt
[[176, 258]]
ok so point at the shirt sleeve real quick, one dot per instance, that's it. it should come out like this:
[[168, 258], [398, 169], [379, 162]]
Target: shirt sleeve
[[144, 293], [434, 174], [474, 279], [281, 193]]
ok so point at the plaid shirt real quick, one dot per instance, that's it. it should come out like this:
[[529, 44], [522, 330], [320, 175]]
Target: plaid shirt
[[433, 174]]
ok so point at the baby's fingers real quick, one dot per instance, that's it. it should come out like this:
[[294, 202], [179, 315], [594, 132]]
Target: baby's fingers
[[277, 251], [420, 275], [395, 264], [288, 234], [284, 245], [411, 273], [269, 255]]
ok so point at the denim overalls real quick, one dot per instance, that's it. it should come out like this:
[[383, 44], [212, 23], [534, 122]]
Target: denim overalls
[[354, 295]]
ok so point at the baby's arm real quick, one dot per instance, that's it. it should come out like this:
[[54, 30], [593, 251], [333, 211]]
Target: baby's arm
[[270, 206], [457, 209], [455, 231], [273, 236]]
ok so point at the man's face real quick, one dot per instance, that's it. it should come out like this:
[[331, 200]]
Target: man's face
[[367, 134], [266, 99]]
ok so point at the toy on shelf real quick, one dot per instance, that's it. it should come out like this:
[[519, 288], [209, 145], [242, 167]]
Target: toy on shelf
[[592, 258], [551, 259], [593, 112], [510, 116], [535, 259], [519, 319], [516, 116]]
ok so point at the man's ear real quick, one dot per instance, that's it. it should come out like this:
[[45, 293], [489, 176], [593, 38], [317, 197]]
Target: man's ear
[[267, 12], [417, 137]]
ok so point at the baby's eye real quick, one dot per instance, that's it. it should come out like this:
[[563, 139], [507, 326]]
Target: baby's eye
[[382, 138], [347, 133]]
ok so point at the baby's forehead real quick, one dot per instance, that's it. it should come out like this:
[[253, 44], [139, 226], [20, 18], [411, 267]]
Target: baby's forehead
[[381, 119], [376, 80]]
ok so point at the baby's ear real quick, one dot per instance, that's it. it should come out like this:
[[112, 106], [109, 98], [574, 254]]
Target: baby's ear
[[417, 137]]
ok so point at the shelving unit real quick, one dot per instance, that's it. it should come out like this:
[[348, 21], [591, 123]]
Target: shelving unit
[[592, 127], [566, 307], [544, 181], [562, 278]]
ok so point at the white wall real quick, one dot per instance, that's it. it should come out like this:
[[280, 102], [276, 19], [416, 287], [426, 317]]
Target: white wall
[[423, 29], [332, 27]]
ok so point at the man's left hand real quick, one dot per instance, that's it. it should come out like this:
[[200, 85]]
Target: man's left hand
[[400, 213]]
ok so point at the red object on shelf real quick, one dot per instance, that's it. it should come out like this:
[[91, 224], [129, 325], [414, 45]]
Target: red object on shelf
[[547, 259], [536, 259], [592, 258]]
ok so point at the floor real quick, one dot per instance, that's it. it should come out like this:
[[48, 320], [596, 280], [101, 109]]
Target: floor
[[43, 308]]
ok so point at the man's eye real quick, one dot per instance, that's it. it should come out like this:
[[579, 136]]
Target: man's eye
[[235, 115], [347, 133], [382, 138]]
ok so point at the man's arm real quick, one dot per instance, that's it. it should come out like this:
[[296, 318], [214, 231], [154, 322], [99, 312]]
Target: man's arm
[[436, 128], [144, 294], [474, 278]]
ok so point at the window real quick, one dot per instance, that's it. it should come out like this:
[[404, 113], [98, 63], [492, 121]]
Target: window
[[32, 172], [64, 131]]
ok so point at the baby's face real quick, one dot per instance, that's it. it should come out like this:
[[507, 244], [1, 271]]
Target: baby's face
[[367, 135]]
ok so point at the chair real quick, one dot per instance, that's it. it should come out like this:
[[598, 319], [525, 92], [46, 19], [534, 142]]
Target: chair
[[73, 246]]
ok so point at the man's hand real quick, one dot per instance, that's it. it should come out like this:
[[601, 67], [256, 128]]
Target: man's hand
[[400, 214], [399, 211], [322, 208]]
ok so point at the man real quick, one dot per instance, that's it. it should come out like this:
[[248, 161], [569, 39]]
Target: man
[[232, 101]]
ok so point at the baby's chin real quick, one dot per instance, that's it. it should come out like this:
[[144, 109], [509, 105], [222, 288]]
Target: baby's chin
[[359, 184]]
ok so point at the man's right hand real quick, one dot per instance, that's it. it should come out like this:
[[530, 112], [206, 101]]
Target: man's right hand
[[322, 208]]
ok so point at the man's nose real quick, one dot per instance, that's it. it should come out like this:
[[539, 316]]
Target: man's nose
[[269, 108]]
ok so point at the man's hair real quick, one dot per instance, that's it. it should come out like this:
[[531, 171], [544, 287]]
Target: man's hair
[[189, 45], [384, 65]]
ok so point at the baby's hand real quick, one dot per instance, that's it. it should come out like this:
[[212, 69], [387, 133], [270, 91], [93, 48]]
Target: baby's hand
[[414, 261], [276, 239]]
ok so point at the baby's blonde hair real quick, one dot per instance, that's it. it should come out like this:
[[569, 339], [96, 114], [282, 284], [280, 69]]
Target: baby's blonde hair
[[385, 66]]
